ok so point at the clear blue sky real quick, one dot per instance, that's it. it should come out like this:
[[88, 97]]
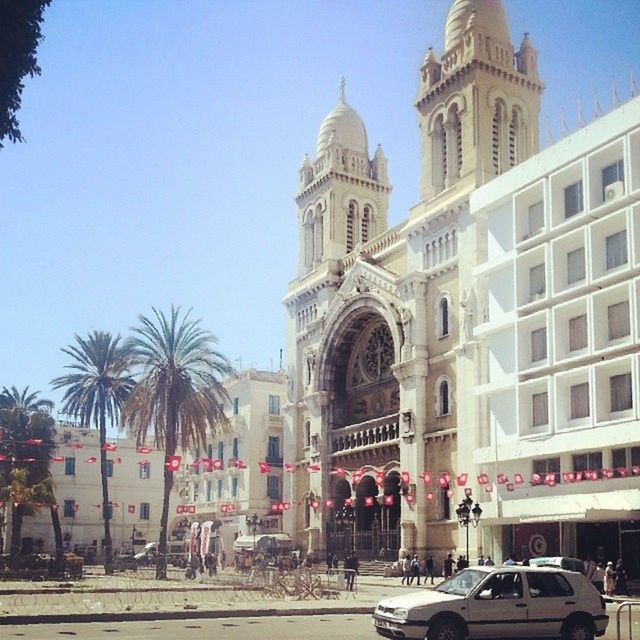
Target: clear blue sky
[[164, 139]]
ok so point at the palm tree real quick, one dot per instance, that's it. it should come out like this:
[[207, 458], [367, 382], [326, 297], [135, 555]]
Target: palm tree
[[24, 401], [94, 392], [179, 395], [26, 444]]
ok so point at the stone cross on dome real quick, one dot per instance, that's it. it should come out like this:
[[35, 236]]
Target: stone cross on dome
[[343, 84]]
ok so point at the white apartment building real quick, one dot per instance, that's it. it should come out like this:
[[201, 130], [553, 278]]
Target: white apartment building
[[558, 347], [135, 493], [245, 476]]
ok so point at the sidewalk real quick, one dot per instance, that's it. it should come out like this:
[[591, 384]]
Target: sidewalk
[[134, 597]]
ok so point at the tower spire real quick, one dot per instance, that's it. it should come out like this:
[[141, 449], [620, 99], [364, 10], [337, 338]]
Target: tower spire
[[343, 84]]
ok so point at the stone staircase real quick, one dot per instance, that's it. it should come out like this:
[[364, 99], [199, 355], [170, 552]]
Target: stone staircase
[[374, 567]]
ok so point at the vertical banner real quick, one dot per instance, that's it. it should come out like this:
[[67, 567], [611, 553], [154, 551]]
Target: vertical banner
[[205, 535], [193, 539]]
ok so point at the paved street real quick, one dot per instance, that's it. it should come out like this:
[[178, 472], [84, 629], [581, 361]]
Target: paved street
[[319, 627]]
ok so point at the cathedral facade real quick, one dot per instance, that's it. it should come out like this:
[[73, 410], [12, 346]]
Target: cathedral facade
[[382, 359]]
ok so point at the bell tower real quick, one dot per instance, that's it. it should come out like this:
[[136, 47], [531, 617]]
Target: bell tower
[[478, 105], [343, 195]]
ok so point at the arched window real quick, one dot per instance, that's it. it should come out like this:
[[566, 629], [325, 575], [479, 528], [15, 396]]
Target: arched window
[[351, 221], [498, 132], [443, 316], [366, 221], [453, 149], [309, 249], [307, 433], [439, 150], [317, 235], [443, 399], [516, 137], [445, 502]]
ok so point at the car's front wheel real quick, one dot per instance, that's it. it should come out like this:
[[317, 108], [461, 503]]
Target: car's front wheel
[[578, 629], [445, 629]]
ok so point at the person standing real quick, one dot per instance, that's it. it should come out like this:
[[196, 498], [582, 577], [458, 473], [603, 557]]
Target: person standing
[[609, 579], [620, 588], [429, 568], [415, 569], [329, 562], [488, 562], [351, 566], [480, 560], [448, 566], [406, 569]]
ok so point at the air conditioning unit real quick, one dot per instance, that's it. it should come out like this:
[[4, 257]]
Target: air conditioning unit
[[614, 191]]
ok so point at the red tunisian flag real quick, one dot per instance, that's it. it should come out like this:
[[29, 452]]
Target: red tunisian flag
[[264, 467], [313, 468], [144, 450], [131, 508], [289, 468], [91, 460], [173, 463], [109, 446], [57, 458], [33, 441]]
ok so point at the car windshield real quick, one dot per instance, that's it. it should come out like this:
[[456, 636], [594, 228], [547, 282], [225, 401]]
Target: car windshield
[[462, 582]]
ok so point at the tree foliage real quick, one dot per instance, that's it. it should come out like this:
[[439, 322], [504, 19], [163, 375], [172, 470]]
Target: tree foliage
[[20, 34]]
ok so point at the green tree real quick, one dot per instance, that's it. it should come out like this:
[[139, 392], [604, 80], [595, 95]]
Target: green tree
[[94, 393], [20, 35], [26, 444], [179, 395]]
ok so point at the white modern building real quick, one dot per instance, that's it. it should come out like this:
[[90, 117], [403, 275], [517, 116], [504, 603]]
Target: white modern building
[[558, 286], [243, 470], [135, 493]]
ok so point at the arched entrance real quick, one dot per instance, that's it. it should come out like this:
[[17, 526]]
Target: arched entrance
[[361, 427]]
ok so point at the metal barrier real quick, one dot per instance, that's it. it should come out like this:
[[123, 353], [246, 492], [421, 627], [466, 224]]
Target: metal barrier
[[621, 607]]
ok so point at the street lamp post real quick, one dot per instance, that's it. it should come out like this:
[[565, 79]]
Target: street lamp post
[[468, 515], [345, 520], [253, 522]]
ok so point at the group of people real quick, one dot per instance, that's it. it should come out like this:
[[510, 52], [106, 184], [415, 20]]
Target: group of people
[[615, 579]]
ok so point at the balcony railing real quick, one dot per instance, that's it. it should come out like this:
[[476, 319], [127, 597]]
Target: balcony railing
[[380, 431], [274, 461]]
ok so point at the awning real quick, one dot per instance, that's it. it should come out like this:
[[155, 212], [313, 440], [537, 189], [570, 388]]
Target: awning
[[264, 542]]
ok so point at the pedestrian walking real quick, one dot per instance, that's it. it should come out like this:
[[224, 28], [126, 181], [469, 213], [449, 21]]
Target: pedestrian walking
[[429, 568], [329, 562], [406, 569], [448, 566], [488, 562], [609, 578], [415, 569]]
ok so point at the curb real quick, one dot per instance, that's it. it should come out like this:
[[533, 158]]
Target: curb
[[146, 616]]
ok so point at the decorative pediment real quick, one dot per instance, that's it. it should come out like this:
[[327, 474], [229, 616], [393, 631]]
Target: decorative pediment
[[367, 276]]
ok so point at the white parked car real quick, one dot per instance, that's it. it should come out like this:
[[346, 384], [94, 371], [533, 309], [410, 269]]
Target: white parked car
[[498, 602]]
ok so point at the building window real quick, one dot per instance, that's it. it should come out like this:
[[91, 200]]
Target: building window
[[623, 458], [69, 508], [351, 221], [576, 270], [536, 218], [273, 447], [145, 509], [578, 333], [109, 468], [536, 282], [620, 387], [221, 450], [210, 451], [273, 487], [234, 448], [618, 318], [588, 462], [145, 470], [579, 400], [274, 405], [366, 221], [208, 491], [234, 487], [307, 434], [538, 344], [545, 466], [573, 199], [445, 503], [219, 491], [444, 317], [613, 173], [443, 398], [540, 409], [69, 466], [616, 249], [236, 406]]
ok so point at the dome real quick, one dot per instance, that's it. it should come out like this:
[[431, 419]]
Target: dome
[[490, 19], [346, 125]]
